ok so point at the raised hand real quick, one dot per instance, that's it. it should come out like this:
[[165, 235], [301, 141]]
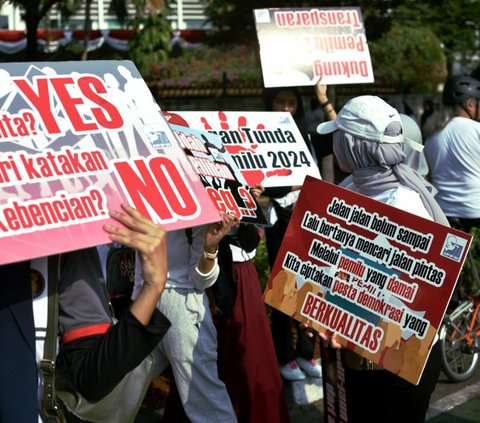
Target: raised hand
[[150, 241]]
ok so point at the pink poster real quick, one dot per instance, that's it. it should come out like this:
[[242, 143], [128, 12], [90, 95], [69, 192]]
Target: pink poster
[[78, 139]]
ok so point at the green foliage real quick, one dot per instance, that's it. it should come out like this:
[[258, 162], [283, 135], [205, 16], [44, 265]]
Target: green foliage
[[455, 22], [261, 263], [405, 55], [151, 45]]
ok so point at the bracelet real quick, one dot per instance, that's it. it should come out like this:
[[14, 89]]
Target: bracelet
[[325, 104], [211, 256], [330, 110]]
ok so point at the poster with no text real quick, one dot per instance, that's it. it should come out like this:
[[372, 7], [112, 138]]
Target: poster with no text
[[379, 277], [301, 45], [78, 139], [267, 147]]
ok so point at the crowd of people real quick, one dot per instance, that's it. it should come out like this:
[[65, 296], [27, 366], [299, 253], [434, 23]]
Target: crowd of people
[[232, 368]]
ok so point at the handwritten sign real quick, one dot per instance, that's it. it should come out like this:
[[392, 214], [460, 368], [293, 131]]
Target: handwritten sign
[[267, 147], [378, 276], [78, 139], [301, 45]]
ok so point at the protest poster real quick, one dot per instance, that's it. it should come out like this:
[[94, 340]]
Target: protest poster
[[267, 147], [216, 169], [78, 139], [381, 278], [298, 46]]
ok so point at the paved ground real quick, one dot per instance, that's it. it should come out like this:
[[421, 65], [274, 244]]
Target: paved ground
[[451, 403]]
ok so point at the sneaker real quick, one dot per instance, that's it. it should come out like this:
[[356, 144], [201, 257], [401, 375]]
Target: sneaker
[[291, 371], [311, 367]]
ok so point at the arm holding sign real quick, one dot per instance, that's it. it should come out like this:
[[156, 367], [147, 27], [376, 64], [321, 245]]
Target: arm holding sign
[[214, 234], [91, 344]]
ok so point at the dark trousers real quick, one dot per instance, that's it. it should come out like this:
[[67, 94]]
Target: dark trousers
[[378, 396]]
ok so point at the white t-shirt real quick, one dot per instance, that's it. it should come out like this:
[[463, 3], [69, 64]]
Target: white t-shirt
[[406, 199], [453, 156]]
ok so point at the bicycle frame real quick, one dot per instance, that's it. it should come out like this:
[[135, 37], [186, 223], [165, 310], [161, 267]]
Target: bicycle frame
[[470, 337]]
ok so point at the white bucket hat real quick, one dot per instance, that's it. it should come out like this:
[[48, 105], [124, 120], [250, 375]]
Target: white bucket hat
[[368, 117]]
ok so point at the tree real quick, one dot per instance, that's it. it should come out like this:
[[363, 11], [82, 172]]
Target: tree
[[235, 19], [456, 23], [405, 55], [151, 44], [35, 11]]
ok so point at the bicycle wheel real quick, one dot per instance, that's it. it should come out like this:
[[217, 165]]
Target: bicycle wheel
[[459, 361]]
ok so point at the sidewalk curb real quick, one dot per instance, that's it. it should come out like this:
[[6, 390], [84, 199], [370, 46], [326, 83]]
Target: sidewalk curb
[[453, 400]]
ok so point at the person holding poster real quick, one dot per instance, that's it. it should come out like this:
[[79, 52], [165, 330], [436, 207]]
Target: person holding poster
[[190, 346], [367, 141], [282, 201], [90, 342]]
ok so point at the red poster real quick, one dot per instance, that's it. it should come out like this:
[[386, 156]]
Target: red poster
[[381, 278]]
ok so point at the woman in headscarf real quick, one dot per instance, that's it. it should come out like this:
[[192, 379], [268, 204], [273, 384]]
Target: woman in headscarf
[[368, 142]]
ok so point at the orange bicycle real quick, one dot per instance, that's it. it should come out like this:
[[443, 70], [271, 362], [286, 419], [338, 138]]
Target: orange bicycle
[[459, 334]]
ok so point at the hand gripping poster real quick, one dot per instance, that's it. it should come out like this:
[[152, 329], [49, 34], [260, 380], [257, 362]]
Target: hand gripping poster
[[301, 45], [216, 169], [267, 147], [379, 277], [76, 140]]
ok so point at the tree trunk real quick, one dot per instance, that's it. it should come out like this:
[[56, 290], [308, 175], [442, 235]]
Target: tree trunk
[[87, 28], [31, 23]]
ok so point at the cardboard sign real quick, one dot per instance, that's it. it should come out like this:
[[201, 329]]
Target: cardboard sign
[[378, 276], [78, 139], [218, 172], [267, 147], [301, 45]]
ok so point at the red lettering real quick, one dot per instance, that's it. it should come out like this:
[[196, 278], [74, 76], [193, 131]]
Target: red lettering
[[217, 199], [70, 104], [106, 114], [159, 186], [247, 198], [307, 305], [40, 100], [177, 193], [224, 201]]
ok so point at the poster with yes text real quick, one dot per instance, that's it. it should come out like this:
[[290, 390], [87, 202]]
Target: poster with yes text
[[76, 140], [379, 277]]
